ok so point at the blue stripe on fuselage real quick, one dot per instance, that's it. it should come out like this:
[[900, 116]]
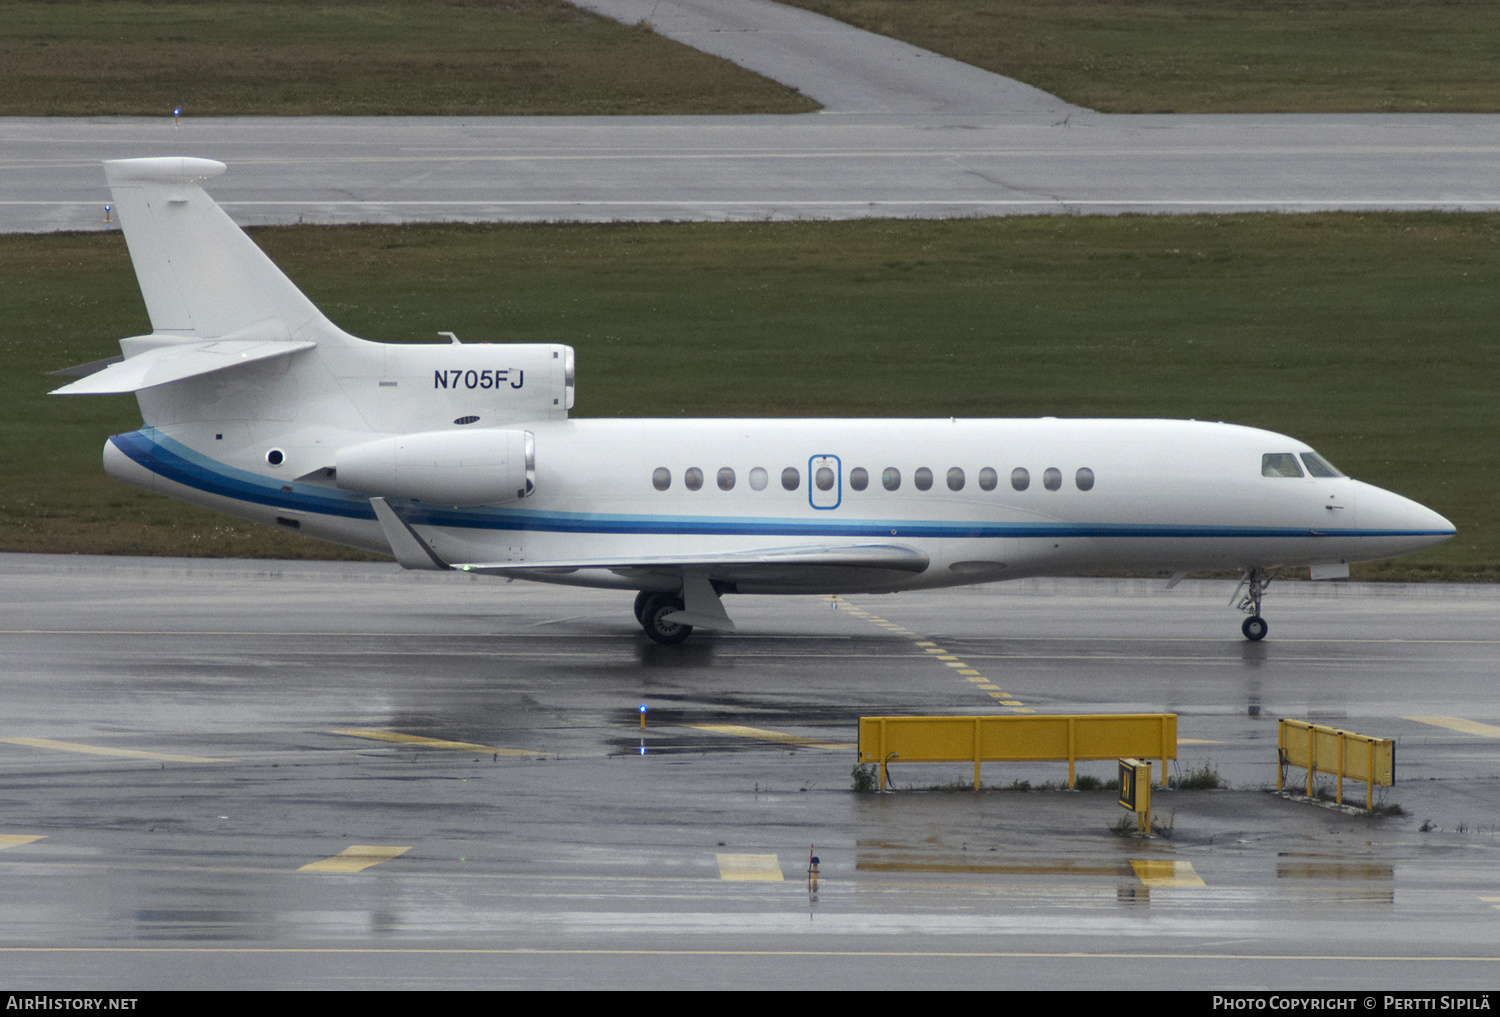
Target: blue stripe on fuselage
[[174, 461]]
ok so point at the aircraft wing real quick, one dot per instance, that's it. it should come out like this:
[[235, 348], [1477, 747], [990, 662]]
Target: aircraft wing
[[817, 565], [760, 564]]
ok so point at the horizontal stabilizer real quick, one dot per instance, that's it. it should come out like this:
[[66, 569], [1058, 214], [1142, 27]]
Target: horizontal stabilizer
[[84, 370], [166, 364], [732, 564]]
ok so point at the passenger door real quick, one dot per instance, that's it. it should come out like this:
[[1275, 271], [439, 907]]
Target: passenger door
[[825, 482]]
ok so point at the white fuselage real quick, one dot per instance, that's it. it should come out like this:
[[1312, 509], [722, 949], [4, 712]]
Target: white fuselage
[[1166, 495], [463, 456]]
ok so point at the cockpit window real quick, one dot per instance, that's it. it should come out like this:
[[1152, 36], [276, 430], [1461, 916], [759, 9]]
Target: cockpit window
[[1279, 464], [1317, 466]]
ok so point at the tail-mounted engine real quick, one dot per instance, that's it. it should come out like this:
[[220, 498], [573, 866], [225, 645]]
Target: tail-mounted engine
[[480, 467]]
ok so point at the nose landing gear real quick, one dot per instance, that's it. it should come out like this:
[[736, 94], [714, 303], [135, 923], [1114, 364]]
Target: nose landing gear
[[1254, 584]]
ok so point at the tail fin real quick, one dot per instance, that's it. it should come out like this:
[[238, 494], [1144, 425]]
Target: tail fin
[[201, 276]]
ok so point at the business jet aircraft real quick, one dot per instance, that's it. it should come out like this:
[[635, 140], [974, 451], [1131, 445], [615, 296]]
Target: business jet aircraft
[[463, 457]]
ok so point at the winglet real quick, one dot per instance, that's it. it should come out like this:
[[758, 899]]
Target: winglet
[[410, 550]]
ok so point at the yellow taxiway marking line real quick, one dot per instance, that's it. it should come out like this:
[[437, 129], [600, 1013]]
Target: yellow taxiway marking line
[[17, 839], [750, 868], [740, 731], [1473, 727], [952, 660], [1166, 873], [1197, 741], [355, 858], [1493, 902], [98, 750], [430, 743]]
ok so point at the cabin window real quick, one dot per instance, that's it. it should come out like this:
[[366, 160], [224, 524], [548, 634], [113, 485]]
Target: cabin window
[[1052, 478], [726, 478], [988, 479], [1020, 478], [890, 478], [1317, 466], [790, 478], [922, 478], [1084, 478], [758, 479], [823, 478], [692, 478], [955, 479], [1279, 464], [859, 478], [661, 478]]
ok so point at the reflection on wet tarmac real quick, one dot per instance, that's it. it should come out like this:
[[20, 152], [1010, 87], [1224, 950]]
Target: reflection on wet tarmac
[[401, 712]]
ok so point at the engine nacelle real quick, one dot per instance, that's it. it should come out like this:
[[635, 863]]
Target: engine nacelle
[[485, 467]]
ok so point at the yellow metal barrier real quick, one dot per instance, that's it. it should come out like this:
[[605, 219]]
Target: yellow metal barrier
[[1012, 739], [1320, 749], [1135, 791]]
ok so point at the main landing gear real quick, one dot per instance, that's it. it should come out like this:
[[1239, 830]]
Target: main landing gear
[[671, 617], [1254, 584], [651, 610]]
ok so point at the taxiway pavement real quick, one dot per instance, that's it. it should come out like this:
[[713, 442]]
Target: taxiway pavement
[[461, 763], [905, 133], [843, 68], [817, 166]]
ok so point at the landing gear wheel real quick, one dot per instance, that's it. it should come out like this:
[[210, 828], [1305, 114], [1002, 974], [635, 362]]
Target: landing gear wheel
[[660, 630], [640, 605], [1255, 628]]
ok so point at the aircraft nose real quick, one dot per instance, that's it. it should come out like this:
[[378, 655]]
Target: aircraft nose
[[1410, 524]]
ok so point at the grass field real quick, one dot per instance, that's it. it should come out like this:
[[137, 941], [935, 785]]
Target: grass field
[[1370, 336], [1214, 56], [348, 57]]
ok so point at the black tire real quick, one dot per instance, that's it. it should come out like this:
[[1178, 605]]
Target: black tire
[[1255, 628], [640, 605], [661, 631]]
